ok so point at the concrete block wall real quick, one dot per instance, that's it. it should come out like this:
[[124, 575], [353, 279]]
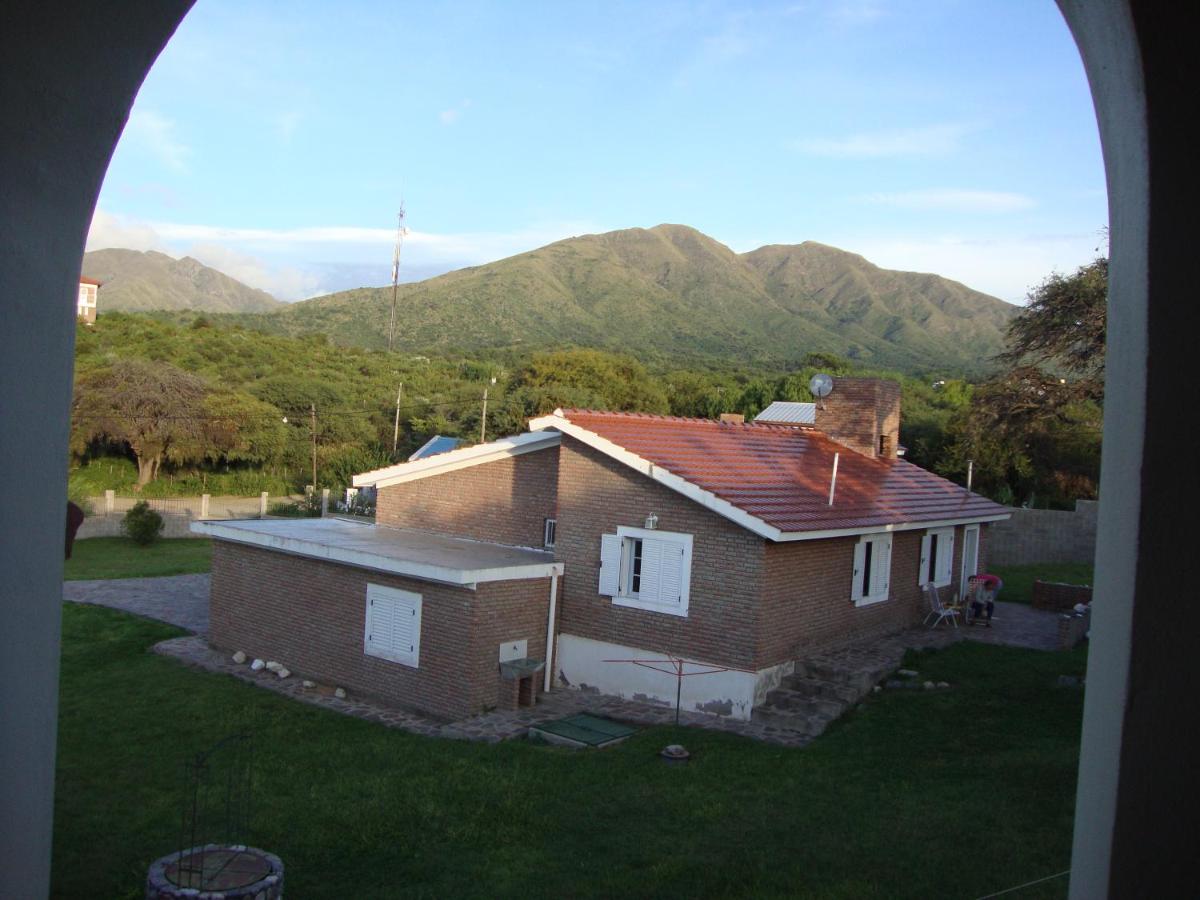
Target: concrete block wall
[[311, 614], [506, 501], [1046, 536]]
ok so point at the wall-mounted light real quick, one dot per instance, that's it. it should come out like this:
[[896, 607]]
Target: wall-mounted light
[[651, 522]]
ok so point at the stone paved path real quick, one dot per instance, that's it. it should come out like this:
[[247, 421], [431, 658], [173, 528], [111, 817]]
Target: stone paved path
[[177, 599], [1017, 625]]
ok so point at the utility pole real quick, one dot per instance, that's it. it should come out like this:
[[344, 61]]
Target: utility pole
[[483, 418], [313, 409], [396, 426], [400, 232]]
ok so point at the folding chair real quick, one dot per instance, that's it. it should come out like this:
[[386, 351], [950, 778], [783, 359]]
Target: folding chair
[[939, 610]]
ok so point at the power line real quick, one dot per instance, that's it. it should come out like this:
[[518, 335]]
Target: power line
[[343, 413]]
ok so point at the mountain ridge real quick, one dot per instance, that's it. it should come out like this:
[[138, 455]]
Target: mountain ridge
[[673, 293], [140, 281]]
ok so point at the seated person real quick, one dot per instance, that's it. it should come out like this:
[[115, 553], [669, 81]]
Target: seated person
[[982, 593]]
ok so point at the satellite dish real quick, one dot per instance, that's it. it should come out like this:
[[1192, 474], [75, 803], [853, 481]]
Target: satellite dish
[[820, 385]]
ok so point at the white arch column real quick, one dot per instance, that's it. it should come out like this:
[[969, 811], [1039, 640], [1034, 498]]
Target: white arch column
[[70, 71]]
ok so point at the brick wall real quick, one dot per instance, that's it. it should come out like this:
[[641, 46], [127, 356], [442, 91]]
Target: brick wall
[[1047, 535], [861, 410], [1059, 597], [506, 501], [595, 495], [310, 615], [806, 600]]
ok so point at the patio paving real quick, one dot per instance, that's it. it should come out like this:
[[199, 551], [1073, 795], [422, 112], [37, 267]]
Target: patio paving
[[180, 600], [1017, 625]]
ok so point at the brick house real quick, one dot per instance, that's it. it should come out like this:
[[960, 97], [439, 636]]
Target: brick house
[[730, 545]]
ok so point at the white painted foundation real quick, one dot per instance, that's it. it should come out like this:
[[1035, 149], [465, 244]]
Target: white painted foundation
[[583, 664]]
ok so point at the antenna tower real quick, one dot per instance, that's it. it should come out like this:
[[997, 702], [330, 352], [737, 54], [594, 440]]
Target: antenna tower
[[401, 231]]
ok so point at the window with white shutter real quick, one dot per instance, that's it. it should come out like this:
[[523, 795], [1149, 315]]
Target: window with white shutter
[[647, 569], [872, 569], [393, 625], [937, 557]]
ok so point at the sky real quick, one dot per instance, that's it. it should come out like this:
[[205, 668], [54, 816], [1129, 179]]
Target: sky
[[276, 141]]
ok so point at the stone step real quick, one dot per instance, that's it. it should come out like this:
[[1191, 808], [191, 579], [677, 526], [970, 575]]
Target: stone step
[[820, 688], [811, 726], [862, 675], [806, 704]]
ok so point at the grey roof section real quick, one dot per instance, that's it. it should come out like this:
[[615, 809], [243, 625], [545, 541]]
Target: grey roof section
[[785, 413], [401, 551]]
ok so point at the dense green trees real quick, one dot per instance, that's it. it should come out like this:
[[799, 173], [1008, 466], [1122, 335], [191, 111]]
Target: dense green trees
[[228, 403]]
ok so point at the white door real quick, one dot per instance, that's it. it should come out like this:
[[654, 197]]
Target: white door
[[970, 557]]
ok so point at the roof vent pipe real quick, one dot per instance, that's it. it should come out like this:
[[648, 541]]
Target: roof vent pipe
[[833, 478]]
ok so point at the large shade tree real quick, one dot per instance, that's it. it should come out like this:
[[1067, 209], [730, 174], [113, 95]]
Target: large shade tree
[[1033, 431], [153, 407]]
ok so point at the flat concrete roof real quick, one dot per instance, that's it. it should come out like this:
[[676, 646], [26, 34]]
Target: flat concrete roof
[[401, 551]]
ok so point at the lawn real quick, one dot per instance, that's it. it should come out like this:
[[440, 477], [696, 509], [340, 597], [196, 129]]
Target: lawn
[[119, 557], [957, 793], [1018, 580]]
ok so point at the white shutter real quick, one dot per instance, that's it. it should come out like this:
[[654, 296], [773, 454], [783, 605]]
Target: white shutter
[[860, 560], [923, 571], [670, 580], [651, 571], [610, 564], [881, 567], [946, 557], [393, 625]]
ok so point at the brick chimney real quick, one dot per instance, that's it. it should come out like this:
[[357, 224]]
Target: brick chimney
[[733, 418], [863, 414]]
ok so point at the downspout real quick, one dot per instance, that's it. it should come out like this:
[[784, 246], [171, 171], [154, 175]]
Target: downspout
[[550, 629]]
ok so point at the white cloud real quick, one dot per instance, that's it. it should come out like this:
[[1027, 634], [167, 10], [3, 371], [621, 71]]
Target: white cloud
[[156, 135], [1003, 267], [928, 140], [286, 124], [108, 230], [854, 13], [953, 200], [452, 115], [282, 282]]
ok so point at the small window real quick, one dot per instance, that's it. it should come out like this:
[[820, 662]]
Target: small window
[[937, 557], [872, 569], [647, 569], [393, 625], [548, 530]]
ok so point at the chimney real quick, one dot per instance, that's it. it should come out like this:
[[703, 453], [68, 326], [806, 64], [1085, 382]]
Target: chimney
[[864, 415], [733, 418]]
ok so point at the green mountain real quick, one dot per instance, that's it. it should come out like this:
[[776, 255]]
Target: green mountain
[[134, 281], [670, 292]]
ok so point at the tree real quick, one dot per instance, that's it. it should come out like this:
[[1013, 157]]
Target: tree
[[153, 407], [1064, 325], [1031, 432]]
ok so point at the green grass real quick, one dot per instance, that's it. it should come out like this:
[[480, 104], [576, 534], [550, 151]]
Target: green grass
[[119, 557], [949, 794], [1018, 580]]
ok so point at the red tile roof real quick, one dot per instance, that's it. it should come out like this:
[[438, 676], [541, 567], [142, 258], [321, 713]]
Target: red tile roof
[[780, 474]]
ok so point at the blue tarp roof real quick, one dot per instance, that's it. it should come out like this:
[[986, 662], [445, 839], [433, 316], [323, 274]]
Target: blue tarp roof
[[435, 445]]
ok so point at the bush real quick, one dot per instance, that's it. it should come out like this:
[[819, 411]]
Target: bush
[[308, 508], [142, 524]]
